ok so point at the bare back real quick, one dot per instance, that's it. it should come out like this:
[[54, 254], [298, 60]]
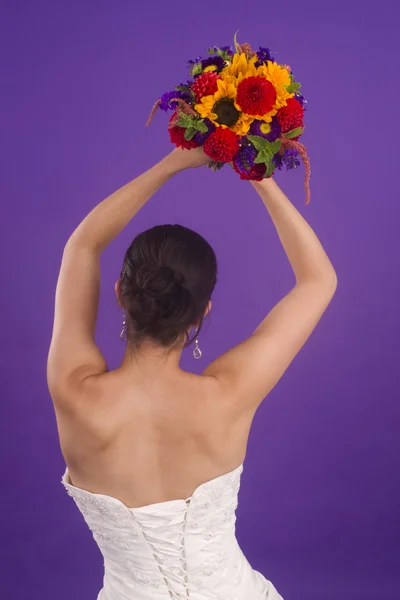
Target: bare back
[[151, 439], [146, 443]]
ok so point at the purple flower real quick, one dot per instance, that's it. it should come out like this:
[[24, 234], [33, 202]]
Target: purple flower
[[194, 61], [264, 54], [245, 157], [199, 137], [218, 61], [275, 132], [289, 159], [300, 98], [227, 49], [166, 104]]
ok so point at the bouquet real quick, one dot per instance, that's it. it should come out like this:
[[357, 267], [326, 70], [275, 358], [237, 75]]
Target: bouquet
[[243, 108]]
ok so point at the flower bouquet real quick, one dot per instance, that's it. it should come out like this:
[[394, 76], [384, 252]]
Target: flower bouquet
[[244, 108]]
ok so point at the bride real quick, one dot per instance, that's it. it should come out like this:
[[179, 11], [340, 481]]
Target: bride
[[154, 454]]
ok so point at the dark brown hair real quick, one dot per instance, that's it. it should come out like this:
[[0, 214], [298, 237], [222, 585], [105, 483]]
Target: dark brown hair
[[168, 276]]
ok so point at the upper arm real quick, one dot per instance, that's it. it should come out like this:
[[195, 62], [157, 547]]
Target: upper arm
[[73, 354], [252, 368]]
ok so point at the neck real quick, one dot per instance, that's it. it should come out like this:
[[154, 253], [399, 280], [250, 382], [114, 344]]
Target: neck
[[151, 359]]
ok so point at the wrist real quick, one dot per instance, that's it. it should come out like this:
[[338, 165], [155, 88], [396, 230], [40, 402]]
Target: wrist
[[171, 164], [264, 183]]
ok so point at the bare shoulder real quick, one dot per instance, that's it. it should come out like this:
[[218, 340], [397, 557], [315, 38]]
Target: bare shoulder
[[92, 406]]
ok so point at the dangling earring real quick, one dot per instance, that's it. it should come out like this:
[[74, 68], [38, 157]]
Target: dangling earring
[[197, 352], [124, 331]]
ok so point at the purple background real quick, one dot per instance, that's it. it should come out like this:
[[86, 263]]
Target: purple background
[[320, 489]]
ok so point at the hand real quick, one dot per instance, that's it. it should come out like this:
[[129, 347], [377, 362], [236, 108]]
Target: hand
[[188, 159]]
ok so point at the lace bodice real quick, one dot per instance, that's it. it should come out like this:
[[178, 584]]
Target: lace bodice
[[174, 550]]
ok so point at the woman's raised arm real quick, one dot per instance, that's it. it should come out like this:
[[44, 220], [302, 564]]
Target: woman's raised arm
[[74, 356], [250, 370]]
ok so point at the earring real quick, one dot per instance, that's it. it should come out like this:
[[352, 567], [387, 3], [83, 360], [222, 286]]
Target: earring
[[197, 353], [124, 331]]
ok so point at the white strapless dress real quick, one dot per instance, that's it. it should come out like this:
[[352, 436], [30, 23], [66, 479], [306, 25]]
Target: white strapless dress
[[173, 550]]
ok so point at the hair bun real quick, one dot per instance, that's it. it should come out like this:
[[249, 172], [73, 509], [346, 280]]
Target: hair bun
[[160, 296], [158, 279]]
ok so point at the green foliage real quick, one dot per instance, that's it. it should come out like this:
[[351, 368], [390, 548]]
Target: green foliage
[[190, 132], [183, 88], [294, 133], [192, 125], [258, 142], [222, 53], [235, 42], [293, 87], [275, 146], [263, 145], [266, 152], [270, 169], [196, 69], [262, 157]]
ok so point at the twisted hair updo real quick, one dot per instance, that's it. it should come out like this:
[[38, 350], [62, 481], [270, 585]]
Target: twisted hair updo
[[168, 276]]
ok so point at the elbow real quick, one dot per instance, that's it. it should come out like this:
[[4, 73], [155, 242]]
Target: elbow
[[333, 277], [331, 282], [325, 279]]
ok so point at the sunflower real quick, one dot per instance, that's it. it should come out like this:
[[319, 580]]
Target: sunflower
[[243, 68], [240, 67], [205, 108], [221, 108]]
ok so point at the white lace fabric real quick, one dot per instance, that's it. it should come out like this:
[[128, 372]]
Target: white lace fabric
[[174, 550]]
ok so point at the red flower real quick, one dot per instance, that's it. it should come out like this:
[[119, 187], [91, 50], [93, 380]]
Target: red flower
[[290, 116], [256, 95], [222, 145], [177, 135], [256, 172], [205, 84]]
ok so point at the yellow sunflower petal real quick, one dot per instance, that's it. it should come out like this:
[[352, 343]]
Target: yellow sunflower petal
[[240, 66], [243, 124]]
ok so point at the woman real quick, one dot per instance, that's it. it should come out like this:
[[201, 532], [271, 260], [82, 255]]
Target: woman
[[155, 453]]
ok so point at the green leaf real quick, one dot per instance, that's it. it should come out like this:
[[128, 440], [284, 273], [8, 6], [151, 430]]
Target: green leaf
[[275, 146], [294, 133], [262, 157], [184, 121], [258, 142], [293, 87], [190, 133], [182, 88], [261, 144], [270, 169], [196, 69], [201, 126], [235, 42], [192, 122]]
